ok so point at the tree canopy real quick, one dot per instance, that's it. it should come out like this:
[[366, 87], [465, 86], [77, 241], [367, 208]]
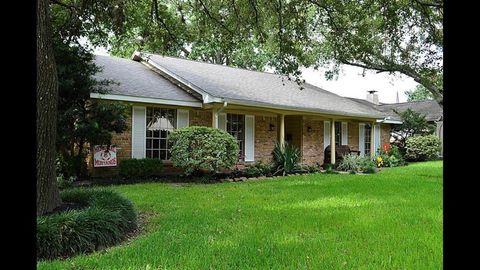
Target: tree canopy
[[418, 94], [397, 37]]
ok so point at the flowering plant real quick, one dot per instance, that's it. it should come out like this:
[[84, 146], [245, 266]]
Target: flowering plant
[[379, 160], [386, 147]]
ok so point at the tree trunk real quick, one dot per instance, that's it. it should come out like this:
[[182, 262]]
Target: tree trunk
[[48, 195]]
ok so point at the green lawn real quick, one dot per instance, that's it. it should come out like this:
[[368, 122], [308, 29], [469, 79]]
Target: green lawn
[[390, 220]]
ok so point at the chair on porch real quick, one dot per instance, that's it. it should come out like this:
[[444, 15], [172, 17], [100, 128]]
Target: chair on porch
[[340, 151]]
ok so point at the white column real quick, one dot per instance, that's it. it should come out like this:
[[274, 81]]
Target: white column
[[372, 140], [214, 118], [332, 141], [282, 130]]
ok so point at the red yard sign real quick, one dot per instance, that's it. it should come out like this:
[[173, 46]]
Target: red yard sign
[[104, 157]]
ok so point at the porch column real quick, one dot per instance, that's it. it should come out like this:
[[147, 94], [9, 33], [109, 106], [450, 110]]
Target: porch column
[[214, 118], [372, 139], [332, 141], [281, 134]]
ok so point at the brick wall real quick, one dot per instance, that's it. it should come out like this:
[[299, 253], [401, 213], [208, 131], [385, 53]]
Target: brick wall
[[384, 134], [264, 138], [312, 145], [200, 118], [353, 135]]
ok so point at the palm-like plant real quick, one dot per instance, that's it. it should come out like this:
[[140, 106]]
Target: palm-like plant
[[286, 158]]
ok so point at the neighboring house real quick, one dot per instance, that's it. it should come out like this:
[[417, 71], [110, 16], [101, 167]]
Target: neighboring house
[[430, 108], [257, 108]]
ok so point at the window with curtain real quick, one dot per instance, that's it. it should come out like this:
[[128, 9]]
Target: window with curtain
[[236, 128], [160, 122]]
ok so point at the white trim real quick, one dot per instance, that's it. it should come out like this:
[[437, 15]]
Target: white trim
[[344, 130], [187, 119], [326, 134], [361, 139], [142, 155], [133, 135], [252, 117], [386, 121], [147, 100]]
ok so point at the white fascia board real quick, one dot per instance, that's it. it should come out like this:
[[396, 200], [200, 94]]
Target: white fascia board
[[292, 108], [384, 121], [147, 100]]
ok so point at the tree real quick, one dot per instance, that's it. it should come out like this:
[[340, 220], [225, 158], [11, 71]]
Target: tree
[[82, 121], [61, 19], [413, 123], [396, 37], [48, 196], [418, 94]]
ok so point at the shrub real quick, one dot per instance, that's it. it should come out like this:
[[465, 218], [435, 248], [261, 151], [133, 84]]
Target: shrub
[[105, 222], [389, 156], [258, 169], [141, 168], [65, 182], [350, 162], [368, 165], [202, 148], [421, 148], [286, 158], [312, 168]]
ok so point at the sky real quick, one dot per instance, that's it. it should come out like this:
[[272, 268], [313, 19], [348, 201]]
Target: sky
[[351, 83]]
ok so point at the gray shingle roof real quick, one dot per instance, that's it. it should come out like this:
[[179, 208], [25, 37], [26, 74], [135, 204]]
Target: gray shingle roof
[[138, 80], [260, 87], [430, 108]]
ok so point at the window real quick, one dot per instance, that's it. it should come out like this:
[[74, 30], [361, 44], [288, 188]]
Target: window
[[338, 133], [160, 122], [368, 138], [236, 128]]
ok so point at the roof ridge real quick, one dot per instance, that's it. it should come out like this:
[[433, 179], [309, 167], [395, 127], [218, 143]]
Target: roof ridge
[[406, 102], [203, 62]]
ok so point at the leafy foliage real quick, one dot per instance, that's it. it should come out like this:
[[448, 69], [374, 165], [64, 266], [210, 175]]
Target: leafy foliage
[[198, 148], [413, 123], [389, 156], [350, 162], [287, 158], [421, 148], [105, 222], [418, 94], [80, 119], [141, 168], [259, 169]]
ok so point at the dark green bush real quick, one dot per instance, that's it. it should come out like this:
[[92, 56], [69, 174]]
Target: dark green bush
[[286, 158], [258, 169], [313, 168], [391, 156], [202, 148], [368, 166], [141, 168], [421, 148], [104, 222]]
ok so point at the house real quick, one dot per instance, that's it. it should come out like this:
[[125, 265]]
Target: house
[[257, 108], [430, 108]]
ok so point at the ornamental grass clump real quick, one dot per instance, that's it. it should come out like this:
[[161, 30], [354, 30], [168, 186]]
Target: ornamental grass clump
[[286, 158], [105, 221], [196, 149]]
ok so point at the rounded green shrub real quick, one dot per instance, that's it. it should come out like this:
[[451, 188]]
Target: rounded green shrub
[[141, 168], [421, 148], [198, 148], [105, 221]]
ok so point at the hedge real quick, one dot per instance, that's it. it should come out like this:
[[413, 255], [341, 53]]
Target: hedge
[[107, 219]]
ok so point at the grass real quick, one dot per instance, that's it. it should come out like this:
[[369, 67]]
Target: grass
[[389, 220]]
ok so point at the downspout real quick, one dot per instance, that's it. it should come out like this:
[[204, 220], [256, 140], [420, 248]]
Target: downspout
[[223, 107]]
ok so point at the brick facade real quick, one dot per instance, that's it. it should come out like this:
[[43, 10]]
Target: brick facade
[[312, 145], [264, 137], [384, 134], [306, 132], [200, 118]]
